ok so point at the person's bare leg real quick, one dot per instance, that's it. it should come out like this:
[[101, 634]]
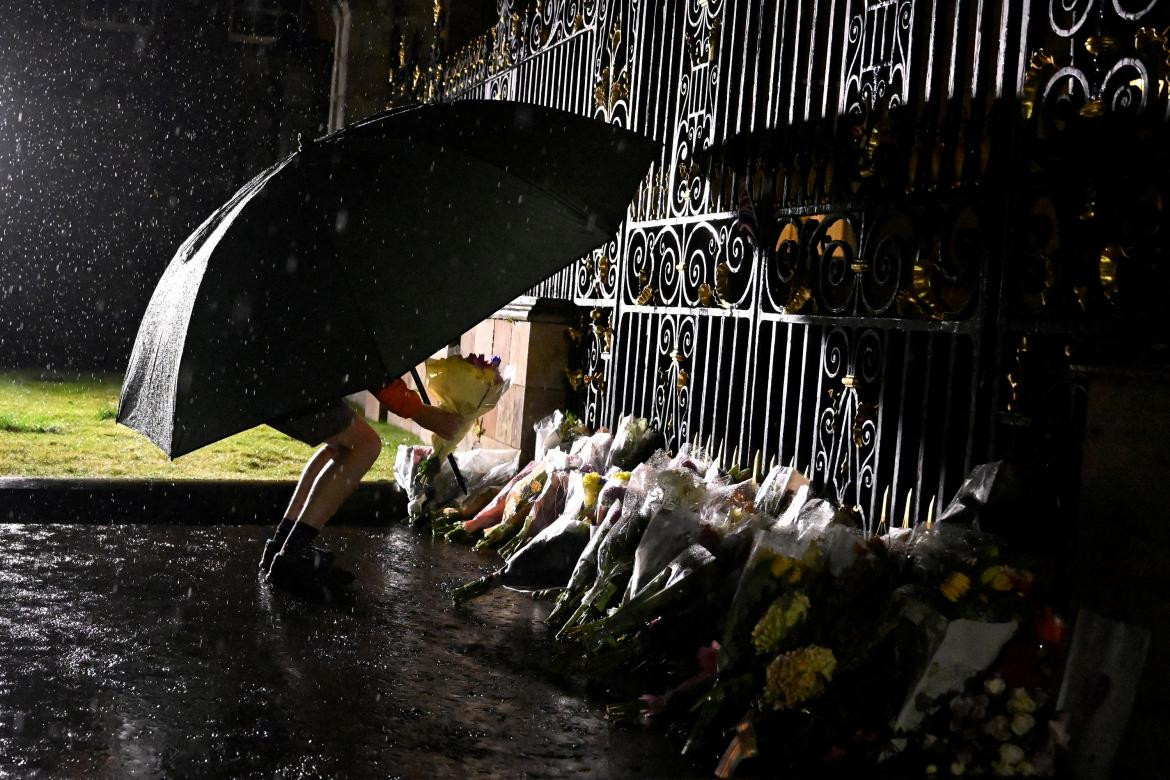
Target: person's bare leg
[[320, 459], [332, 474], [349, 455], [309, 474]]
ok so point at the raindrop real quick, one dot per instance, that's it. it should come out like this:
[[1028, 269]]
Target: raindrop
[[342, 220]]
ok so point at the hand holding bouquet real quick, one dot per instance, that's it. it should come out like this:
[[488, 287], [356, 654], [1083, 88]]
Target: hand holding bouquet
[[468, 387]]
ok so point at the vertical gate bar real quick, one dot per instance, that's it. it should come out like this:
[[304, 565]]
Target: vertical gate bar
[[978, 50], [796, 30], [650, 376], [954, 49], [812, 57], [665, 78], [743, 63], [634, 62], [812, 450], [576, 75], [927, 368], [751, 387], [634, 350], [946, 419], [767, 391], [697, 381], [875, 492], [540, 77], [973, 393], [800, 394], [932, 45], [623, 242], [1024, 49], [663, 82], [547, 75], [831, 27], [1001, 47], [730, 128], [842, 82], [789, 328], [551, 74], [777, 58], [907, 341], [564, 53], [756, 43], [630, 348], [719, 384]]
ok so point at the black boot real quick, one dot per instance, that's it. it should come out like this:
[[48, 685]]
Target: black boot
[[273, 545], [300, 565]]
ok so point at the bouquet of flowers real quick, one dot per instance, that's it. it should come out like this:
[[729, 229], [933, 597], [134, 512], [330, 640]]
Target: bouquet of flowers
[[469, 387]]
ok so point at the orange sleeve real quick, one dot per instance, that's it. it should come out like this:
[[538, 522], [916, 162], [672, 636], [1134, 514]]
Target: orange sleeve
[[399, 399]]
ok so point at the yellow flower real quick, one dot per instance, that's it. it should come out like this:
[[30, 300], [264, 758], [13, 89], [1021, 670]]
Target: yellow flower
[[592, 483], [1020, 702], [997, 578], [798, 676], [1011, 754], [955, 586], [785, 614], [1022, 724], [780, 565]]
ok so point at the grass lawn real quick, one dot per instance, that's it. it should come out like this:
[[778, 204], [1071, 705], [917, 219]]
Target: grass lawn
[[65, 428]]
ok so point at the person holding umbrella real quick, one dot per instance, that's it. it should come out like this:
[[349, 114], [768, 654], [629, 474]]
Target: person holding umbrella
[[347, 449], [353, 259]]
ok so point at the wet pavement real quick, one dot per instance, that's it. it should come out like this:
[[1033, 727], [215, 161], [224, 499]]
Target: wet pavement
[[147, 651]]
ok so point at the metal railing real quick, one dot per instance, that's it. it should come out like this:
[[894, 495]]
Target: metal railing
[[860, 331]]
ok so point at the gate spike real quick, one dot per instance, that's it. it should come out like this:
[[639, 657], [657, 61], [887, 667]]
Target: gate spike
[[735, 457], [772, 464], [930, 512], [757, 464], [881, 528], [906, 515]]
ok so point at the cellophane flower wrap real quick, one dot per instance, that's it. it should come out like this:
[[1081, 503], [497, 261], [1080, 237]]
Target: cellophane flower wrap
[[468, 386]]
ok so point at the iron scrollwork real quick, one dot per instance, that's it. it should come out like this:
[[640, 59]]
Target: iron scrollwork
[[879, 39], [672, 392], [1102, 57], [847, 433]]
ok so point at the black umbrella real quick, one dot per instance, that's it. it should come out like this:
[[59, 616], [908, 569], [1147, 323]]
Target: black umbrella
[[350, 261]]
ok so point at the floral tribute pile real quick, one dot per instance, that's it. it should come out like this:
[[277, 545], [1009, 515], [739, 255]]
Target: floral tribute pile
[[756, 621]]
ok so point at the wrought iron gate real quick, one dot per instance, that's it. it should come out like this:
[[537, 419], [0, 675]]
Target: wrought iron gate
[[858, 332]]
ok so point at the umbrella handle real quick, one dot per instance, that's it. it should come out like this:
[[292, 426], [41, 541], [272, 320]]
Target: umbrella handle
[[422, 391]]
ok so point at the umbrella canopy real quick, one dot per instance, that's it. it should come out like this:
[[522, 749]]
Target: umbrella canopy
[[351, 260]]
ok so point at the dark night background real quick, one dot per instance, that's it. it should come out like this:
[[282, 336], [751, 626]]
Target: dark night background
[[115, 143], [124, 123]]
